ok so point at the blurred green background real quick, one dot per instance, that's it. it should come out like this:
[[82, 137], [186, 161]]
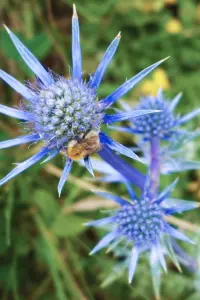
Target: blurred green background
[[43, 245]]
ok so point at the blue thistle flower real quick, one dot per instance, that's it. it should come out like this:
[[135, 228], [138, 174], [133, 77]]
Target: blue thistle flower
[[65, 114], [163, 125], [142, 223]]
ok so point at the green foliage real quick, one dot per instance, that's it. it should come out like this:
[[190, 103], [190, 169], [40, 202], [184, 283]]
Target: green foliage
[[68, 226], [43, 244]]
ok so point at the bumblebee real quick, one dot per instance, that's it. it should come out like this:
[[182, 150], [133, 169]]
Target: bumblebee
[[86, 146]]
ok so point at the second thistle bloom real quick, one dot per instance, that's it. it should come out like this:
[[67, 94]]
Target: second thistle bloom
[[164, 125]]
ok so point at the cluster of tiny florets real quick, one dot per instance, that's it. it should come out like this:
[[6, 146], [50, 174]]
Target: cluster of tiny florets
[[65, 111], [158, 124], [140, 222]]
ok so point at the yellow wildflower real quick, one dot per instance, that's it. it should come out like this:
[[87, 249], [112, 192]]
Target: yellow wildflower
[[159, 80], [142, 5], [173, 26], [170, 1]]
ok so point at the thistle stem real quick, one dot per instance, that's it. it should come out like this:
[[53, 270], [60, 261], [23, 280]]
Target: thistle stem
[[127, 171], [154, 166]]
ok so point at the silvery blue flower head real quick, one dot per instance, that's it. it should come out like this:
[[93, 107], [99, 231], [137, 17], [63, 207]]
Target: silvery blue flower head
[[65, 114], [142, 223], [163, 125]]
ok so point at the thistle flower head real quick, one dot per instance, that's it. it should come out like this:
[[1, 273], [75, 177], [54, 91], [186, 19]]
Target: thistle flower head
[[164, 125], [159, 125], [142, 223], [65, 111], [65, 114]]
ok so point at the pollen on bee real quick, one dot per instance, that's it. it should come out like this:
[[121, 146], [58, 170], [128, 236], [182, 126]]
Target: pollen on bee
[[80, 149]]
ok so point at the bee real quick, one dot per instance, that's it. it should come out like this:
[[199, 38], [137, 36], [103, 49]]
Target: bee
[[83, 148]]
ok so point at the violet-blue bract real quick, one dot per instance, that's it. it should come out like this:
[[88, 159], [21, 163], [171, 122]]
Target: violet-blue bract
[[172, 250], [174, 156], [66, 114]]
